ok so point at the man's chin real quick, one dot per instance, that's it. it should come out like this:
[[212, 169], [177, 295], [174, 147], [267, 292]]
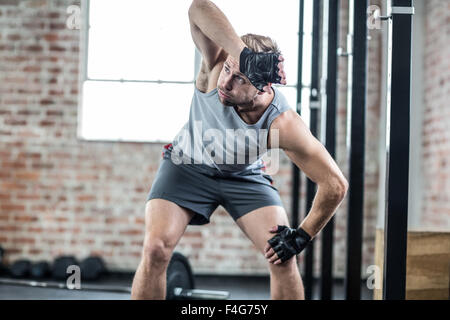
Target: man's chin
[[225, 102]]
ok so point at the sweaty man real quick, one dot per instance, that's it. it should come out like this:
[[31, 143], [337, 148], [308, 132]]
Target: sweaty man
[[201, 170]]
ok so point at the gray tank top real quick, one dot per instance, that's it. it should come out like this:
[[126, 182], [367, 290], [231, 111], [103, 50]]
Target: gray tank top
[[217, 139]]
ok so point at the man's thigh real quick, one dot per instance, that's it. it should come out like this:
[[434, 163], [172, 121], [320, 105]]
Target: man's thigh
[[242, 195], [187, 187], [257, 223], [166, 221]]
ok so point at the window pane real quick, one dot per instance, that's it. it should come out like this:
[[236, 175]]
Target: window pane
[[305, 105], [291, 95], [134, 111], [307, 59], [307, 42], [140, 40]]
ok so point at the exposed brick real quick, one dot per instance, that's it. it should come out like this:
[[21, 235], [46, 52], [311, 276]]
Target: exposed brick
[[24, 240], [15, 122], [34, 48], [30, 155], [46, 123], [25, 218], [57, 26], [28, 112], [131, 232], [24, 196], [6, 47], [14, 37], [46, 102], [51, 37], [5, 228], [9, 2], [11, 207], [8, 186], [32, 69], [57, 113], [27, 175], [42, 165], [57, 48], [35, 251]]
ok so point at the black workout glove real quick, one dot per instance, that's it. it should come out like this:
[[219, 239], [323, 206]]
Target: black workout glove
[[260, 68], [289, 242]]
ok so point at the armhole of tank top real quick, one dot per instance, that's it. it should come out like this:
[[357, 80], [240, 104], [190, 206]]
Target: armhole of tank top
[[204, 94], [272, 117]]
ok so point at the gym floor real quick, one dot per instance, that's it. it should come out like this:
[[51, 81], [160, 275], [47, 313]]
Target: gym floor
[[240, 288]]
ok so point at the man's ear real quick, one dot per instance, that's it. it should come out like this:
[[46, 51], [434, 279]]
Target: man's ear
[[266, 88]]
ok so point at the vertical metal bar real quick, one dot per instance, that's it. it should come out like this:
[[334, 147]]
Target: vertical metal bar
[[330, 141], [357, 138], [314, 107], [83, 64], [308, 279], [397, 153], [295, 170], [87, 25]]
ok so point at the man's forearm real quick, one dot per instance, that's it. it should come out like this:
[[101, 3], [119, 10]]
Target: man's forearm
[[215, 25], [325, 204]]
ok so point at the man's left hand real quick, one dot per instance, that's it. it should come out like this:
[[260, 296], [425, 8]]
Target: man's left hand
[[287, 243]]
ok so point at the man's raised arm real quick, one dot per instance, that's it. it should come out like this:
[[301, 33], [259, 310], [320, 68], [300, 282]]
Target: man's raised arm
[[212, 23], [211, 30]]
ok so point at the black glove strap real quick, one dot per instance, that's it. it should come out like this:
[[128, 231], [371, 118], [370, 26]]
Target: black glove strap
[[259, 67]]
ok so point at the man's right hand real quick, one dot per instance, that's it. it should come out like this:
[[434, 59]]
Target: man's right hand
[[262, 68]]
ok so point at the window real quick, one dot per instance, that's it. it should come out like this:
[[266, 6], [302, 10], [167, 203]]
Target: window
[[140, 63]]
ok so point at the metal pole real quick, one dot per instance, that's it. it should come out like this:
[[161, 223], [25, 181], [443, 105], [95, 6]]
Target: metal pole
[[397, 152], [356, 132], [178, 293], [295, 169], [330, 140], [314, 107]]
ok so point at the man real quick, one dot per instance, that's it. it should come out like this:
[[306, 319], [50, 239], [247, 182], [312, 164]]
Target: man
[[233, 91]]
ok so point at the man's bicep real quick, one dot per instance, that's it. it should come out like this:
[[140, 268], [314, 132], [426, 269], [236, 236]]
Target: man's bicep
[[308, 153], [315, 162]]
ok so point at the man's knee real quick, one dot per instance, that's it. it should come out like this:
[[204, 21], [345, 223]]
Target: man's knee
[[285, 268], [157, 252]]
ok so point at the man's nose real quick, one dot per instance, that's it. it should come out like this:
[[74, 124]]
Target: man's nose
[[228, 83]]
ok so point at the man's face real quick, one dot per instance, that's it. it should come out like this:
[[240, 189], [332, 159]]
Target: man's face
[[233, 87]]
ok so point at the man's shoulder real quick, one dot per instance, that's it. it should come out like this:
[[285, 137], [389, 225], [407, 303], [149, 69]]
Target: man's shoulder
[[285, 120]]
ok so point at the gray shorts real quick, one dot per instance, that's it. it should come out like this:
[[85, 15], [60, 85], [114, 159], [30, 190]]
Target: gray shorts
[[191, 186]]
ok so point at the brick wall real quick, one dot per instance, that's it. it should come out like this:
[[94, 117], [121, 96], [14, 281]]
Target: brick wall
[[62, 195], [436, 116], [59, 194]]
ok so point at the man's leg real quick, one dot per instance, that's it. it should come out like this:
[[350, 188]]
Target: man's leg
[[165, 223], [285, 279]]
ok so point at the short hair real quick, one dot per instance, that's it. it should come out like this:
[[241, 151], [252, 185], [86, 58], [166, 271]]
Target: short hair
[[259, 43]]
